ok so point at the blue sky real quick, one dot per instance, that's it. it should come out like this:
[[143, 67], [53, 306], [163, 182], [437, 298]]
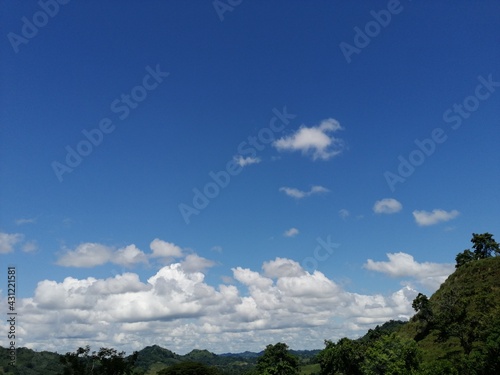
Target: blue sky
[[356, 147]]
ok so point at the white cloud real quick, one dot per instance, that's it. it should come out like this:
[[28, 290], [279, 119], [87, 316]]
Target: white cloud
[[165, 249], [296, 193], [431, 275], [425, 218], [243, 162], [8, 241], [217, 249], [314, 140], [176, 308], [195, 263], [86, 255], [129, 256], [387, 206], [30, 246], [25, 221], [282, 267], [291, 232], [343, 213], [94, 254]]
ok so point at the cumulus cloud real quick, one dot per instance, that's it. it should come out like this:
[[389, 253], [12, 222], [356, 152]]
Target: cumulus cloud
[[298, 194], [195, 263], [178, 309], [129, 256], [94, 254], [282, 267], [8, 241], [425, 218], [165, 249], [243, 162], [315, 141], [431, 275], [387, 206], [86, 255], [291, 232]]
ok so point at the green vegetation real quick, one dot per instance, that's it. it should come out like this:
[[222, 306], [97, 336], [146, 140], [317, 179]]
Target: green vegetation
[[455, 331], [276, 360]]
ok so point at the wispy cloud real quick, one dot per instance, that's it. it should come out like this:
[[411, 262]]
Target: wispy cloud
[[291, 232], [344, 214], [296, 193], [315, 141], [243, 162], [25, 221], [425, 218], [387, 206]]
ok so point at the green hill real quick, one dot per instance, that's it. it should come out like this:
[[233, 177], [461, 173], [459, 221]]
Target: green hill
[[461, 323]]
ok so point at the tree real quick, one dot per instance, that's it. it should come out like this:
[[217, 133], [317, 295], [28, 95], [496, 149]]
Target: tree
[[484, 247], [465, 257], [105, 362], [344, 357], [424, 316], [189, 368], [276, 360], [391, 355]]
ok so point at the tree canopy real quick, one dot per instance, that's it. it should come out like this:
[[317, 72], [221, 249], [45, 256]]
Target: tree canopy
[[276, 360]]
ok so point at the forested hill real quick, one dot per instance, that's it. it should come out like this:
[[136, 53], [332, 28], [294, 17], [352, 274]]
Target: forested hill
[[455, 331], [460, 323]]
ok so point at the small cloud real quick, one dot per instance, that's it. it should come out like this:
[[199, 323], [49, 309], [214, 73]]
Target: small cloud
[[428, 274], [86, 255], [314, 140], [344, 214], [8, 241], [217, 249], [243, 162], [25, 221], [387, 206], [129, 256], [30, 246], [425, 218], [227, 280], [162, 249], [296, 193], [292, 232], [195, 263], [94, 254]]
